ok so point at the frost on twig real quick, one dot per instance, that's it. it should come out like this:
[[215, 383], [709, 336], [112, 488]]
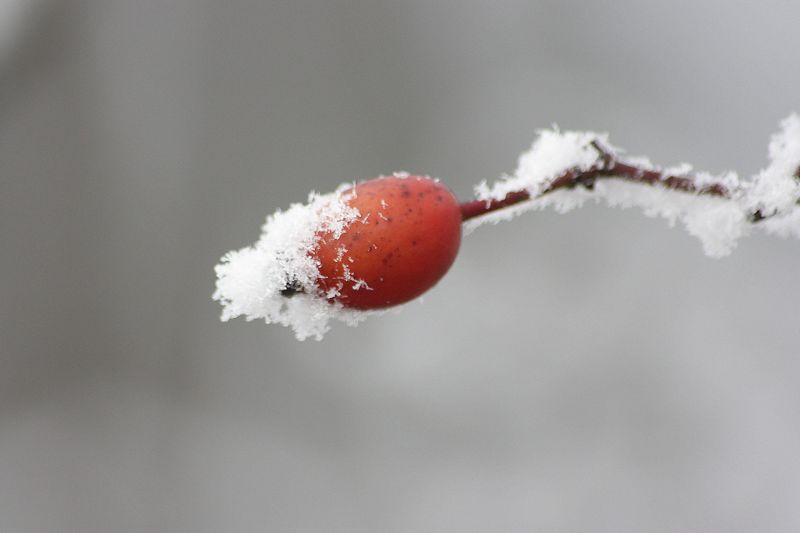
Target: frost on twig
[[565, 169]]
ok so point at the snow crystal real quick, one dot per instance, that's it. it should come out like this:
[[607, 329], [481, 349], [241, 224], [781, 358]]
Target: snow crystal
[[250, 281], [718, 222]]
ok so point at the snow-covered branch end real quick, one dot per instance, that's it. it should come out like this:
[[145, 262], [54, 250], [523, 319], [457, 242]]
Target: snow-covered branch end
[[380, 243], [565, 169]]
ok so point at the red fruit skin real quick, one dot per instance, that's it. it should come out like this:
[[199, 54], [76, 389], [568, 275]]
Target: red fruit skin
[[405, 240]]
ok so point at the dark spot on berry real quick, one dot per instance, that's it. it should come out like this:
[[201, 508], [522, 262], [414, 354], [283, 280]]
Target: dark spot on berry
[[413, 243], [371, 247], [292, 287]]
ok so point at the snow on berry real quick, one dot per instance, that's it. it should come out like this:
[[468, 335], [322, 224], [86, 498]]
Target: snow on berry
[[255, 282]]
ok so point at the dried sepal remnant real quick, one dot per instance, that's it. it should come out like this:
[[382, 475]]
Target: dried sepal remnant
[[565, 169]]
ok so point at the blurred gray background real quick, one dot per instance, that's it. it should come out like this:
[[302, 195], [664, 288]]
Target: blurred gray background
[[584, 372]]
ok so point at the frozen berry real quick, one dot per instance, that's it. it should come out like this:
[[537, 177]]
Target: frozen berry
[[404, 241]]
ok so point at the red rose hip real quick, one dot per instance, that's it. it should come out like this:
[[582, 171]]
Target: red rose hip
[[404, 241]]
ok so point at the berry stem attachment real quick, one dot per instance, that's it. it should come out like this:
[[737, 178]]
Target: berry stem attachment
[[476, 208]]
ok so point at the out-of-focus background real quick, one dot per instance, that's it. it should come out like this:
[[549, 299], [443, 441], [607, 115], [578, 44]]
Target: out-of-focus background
[[583, 372]]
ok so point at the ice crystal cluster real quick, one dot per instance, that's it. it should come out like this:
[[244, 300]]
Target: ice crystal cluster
[[251, 281], [771, 196]]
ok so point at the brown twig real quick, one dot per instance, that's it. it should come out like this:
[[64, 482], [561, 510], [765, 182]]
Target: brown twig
[[607, 167]]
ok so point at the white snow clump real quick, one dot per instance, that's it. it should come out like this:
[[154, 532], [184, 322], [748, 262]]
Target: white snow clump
[[250, 280]]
